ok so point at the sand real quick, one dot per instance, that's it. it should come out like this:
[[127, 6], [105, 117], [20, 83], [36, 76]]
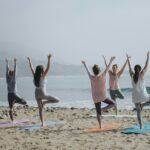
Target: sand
[[71, 134]]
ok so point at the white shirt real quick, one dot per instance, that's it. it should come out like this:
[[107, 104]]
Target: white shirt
[[139, 93]]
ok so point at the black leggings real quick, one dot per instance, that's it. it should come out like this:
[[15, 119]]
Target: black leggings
[[14, 98], [106, 101]]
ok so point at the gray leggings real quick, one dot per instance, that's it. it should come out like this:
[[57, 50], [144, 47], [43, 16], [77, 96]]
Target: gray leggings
[[116, 94], [43, 98], [139, 117], [139, 107]]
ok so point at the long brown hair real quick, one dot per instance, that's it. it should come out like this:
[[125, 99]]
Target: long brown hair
[[38, 74], [137, 70]]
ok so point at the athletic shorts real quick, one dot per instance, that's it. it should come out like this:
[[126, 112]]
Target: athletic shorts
[[116, 94]]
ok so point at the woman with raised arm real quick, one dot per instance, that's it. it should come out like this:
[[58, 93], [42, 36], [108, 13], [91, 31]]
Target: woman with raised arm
[[41, 95], [140, 97], [98, 87], [114, 76], [12, 89]]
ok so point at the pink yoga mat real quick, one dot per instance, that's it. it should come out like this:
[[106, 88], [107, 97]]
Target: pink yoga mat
[[105, 127]]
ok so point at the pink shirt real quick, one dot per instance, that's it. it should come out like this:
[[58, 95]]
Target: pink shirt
[[98, 87]]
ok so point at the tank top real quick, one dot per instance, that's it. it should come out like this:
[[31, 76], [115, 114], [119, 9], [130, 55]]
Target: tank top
[[113, 82], [42, 85]]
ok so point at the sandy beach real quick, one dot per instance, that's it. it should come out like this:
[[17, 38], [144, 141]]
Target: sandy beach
[[71, 134]]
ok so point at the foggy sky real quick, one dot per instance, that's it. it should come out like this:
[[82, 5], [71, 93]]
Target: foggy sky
[[73, 30]]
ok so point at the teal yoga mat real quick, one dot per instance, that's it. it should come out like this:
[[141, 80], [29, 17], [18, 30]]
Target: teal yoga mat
[[136, 129]]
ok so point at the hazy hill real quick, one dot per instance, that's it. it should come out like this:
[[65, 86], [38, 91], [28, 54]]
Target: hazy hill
[[56, 68], [11, 50]]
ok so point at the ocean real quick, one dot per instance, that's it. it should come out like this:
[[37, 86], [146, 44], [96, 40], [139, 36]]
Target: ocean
[[73, 91]]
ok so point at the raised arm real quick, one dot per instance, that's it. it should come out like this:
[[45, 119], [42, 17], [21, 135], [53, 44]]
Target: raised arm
[[122, 69], [110, 72], [104, 60], [108, 66], [7, 68], [15, 67], [48, 66], [31, 66], [87, 68], [146, 64], [129, 65]]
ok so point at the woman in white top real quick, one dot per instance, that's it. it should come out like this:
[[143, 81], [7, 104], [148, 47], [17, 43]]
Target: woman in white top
[[41, 95], [140, 97]]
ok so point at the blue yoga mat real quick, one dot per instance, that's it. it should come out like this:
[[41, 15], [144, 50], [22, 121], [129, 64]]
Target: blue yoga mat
[[38, 126], [136, 129]]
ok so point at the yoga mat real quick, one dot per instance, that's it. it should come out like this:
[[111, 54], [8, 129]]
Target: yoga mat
[[136, 129], [105, 127], [117, 116], [7, 124], [38, 125]]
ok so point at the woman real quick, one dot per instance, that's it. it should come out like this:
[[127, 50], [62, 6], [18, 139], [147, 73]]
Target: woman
[[98, 86], [41, 95], [12, 89], [114, 76], [140, 97]]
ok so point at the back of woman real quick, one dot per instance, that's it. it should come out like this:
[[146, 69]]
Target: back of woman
[[42, 97], [140, 97], [98, 86], [139, 93]]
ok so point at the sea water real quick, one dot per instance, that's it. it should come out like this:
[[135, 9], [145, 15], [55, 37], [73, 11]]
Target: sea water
[[73, 91]]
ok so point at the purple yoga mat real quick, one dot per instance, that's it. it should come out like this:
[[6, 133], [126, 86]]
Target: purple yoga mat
[[10, 124]]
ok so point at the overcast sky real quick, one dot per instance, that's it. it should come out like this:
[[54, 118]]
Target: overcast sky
[[73, 30]]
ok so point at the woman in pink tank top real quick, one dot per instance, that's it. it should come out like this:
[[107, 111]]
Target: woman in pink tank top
[[98, 87]]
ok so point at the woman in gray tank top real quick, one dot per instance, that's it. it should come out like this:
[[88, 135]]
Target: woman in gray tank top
[[39, 75]]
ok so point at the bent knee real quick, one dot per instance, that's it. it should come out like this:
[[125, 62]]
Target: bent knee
[[23, 102], [55, 100]]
